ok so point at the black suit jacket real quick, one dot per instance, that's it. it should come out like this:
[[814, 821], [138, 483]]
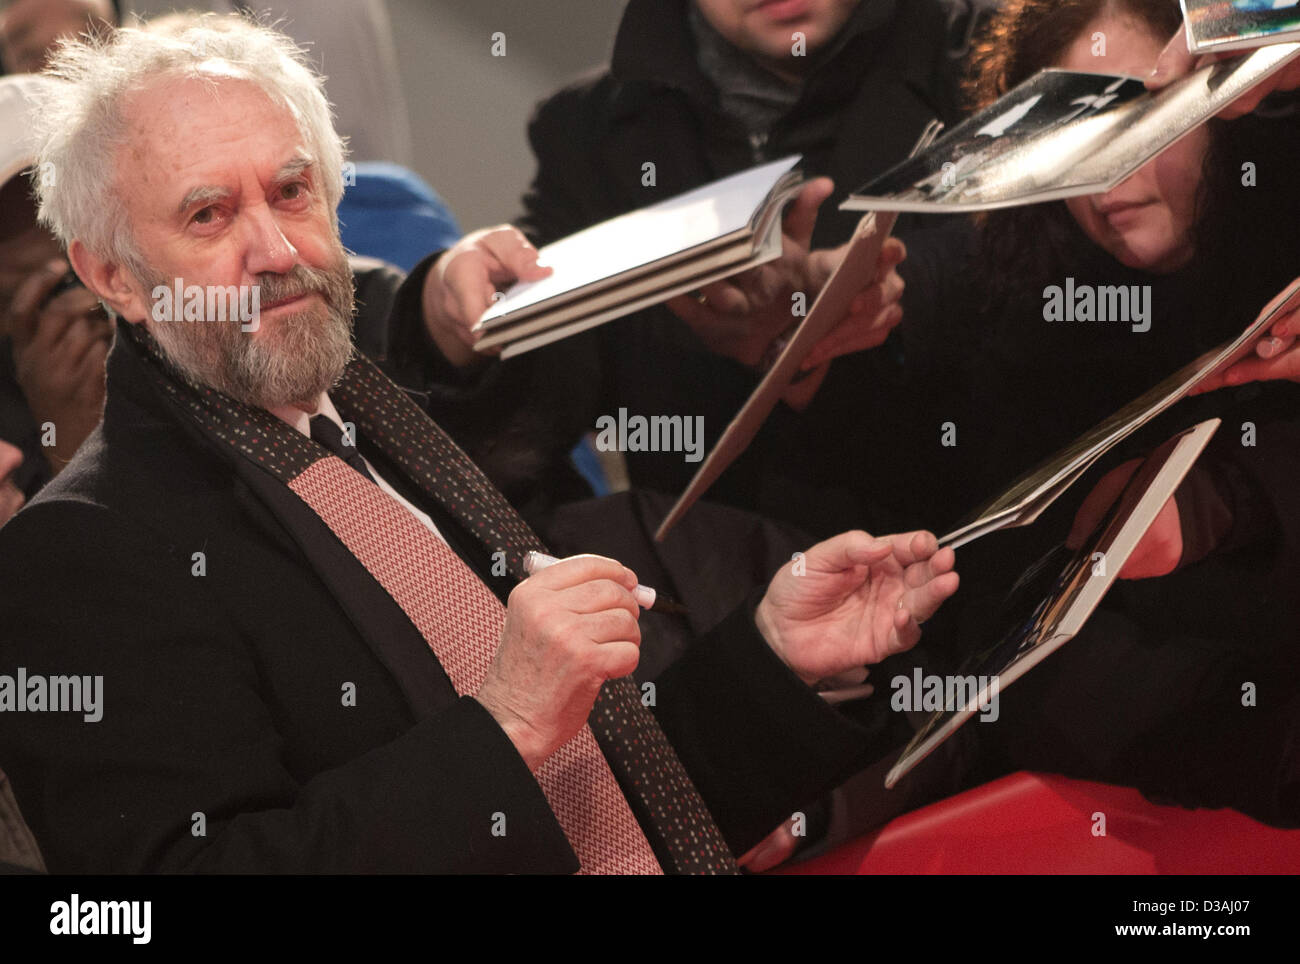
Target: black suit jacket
[[227, 743]]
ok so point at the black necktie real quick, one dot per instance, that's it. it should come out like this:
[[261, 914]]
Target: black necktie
[[325, 432]]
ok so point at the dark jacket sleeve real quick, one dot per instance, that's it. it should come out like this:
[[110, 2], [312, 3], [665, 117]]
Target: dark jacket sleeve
[[1253, 485], [185, 769], [516, 419], [758, 743]]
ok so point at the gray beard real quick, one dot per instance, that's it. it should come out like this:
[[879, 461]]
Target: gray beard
[[291, 360]]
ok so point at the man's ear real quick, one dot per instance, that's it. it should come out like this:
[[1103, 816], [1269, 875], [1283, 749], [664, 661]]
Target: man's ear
[[114, 284]]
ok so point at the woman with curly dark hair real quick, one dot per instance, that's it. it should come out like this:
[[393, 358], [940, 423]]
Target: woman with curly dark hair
[[1206, 234], [987, 381]]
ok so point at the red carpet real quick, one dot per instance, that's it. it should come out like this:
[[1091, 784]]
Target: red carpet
[[1035, 824]]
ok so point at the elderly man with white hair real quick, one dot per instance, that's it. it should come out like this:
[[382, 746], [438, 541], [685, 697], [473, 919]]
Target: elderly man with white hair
[[303, 616]]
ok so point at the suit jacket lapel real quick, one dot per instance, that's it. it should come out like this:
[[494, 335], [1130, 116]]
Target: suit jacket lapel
[[465, 494], [377, 618]]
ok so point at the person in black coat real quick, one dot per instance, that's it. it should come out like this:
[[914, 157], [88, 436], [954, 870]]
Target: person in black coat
[[223, 694], [695, 105], [258, 698]]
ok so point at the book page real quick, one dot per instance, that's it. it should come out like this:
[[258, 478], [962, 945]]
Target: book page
[[1052, 601], [1069, 463], [1061, 134]]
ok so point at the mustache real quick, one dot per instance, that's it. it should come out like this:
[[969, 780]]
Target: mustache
[[301, 280]]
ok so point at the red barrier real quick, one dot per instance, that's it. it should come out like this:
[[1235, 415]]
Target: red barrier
[[1037, 824]]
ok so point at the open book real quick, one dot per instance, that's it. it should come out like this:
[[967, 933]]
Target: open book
[[645, 257], [1060, 134], [1216, 25], [1031, 494], [1051, 602]]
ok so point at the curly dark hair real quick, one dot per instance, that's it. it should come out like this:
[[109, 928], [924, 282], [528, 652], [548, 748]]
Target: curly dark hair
[[1026, 36]]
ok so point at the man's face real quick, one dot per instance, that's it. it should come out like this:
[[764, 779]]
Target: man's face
[[766, 28], [220, 190]]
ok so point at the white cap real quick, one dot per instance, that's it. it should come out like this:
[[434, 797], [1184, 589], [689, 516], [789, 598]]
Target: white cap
[[20, 96]]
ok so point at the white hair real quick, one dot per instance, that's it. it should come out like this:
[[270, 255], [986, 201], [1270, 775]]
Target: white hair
[[81, 127]]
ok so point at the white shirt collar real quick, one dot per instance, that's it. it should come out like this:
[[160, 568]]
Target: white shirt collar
[[301, 420]]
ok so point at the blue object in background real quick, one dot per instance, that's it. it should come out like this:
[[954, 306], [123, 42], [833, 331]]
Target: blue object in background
[[587, 462], [390, 213]]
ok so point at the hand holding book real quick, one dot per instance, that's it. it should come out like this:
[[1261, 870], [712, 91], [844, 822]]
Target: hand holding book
[[1054, 599], [1276, 356], [740, 316], [743, 317], [1160, 550], [873, 313], [1178, 60], [463, 283], [646, 257]]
